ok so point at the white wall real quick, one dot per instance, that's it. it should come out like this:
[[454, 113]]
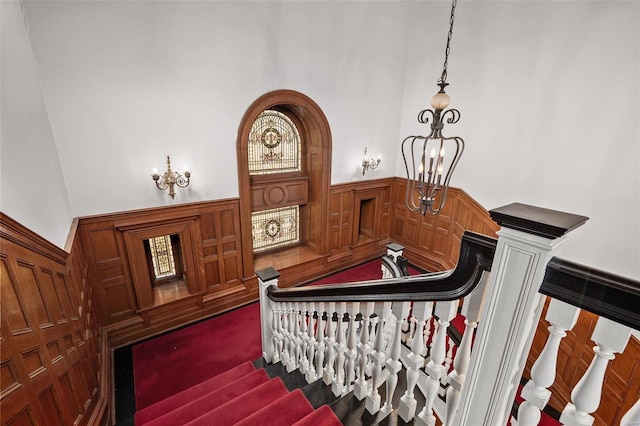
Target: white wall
[[548, 91], [32, 187], [129, 82], [549, 94]]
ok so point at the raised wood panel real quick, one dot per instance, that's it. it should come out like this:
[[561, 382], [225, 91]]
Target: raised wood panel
[[286, 192], [211, 249], [621, 387], [108, 263], [433, 242], [47, 331]]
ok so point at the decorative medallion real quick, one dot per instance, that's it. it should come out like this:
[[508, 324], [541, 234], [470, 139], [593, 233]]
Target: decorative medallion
[[271, 138], [272, 228]]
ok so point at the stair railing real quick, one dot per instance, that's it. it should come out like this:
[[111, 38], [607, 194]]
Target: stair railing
[[616, 300], [357, 347], [481, 384]]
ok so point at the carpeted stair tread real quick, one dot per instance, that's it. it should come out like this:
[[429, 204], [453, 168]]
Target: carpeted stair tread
[[181, 398], [237, 409], [284, 411], [323, 416], [210, 401]]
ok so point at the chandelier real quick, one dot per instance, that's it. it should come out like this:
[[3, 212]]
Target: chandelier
[[427, 189]]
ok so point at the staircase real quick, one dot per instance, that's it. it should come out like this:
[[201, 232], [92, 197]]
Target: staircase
[[244, 395], [256, 393]]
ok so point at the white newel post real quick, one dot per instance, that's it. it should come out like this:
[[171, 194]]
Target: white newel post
[[266, 278], [526, 242]]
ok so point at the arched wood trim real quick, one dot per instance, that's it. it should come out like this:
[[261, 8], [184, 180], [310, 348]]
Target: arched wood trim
[[316, 134]]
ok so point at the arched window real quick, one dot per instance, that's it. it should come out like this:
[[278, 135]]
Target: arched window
[[274, 148], [274, 144], [284, 176]]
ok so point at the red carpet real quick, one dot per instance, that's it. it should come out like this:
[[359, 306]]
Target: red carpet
[[176, 361], [250, 400]]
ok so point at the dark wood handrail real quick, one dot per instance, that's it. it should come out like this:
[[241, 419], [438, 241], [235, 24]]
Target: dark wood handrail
[[476, 256], [602, 293]]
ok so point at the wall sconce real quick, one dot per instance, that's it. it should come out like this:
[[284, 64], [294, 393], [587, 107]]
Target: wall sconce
[[171, 178], [369, 163]]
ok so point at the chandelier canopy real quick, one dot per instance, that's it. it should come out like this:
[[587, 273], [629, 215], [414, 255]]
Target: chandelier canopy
[[430, 160]]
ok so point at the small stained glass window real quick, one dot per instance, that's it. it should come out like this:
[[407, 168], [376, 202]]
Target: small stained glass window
[[162, 256], [275, 228], [274, 144]]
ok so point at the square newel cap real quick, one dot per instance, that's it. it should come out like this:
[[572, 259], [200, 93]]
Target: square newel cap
[[395, 247], [534, 220], [267, 274]]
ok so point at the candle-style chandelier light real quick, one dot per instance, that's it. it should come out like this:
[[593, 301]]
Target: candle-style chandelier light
[[170, 179], [427, 189]]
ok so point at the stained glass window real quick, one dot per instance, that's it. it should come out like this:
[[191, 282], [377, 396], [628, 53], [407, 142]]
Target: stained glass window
[[274, 144], [275, 228], [162, 256]]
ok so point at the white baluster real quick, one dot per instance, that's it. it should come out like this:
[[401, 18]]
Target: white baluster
[[471, 308], [611, 338], [285, 334], [378, 358], [393, 365], [412, 330], [445, 311], [304, 339], [632, 417], [364, 349], [311, 349], [320, 345], [351, 352], [421, 312], [340, 347], [449, 345], [329, 372], [297, 341], [562, 317], [274, 356], [429, 329]]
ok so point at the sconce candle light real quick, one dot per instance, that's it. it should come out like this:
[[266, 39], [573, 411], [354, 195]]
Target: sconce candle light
[[369, 163], [170, 178]]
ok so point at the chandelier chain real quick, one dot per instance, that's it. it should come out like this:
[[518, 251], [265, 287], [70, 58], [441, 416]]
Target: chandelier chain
[[443, 77]]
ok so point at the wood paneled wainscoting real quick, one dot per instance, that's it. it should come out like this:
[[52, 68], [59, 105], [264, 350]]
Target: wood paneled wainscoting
[[433, 242], [364, 217], [207, 250], [55, 359]]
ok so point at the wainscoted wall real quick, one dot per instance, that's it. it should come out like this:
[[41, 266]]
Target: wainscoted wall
[[55, 359], [433, 242], [211, 254]]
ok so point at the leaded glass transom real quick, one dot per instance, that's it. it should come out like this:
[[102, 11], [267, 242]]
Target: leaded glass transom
[[275, 228], [162, 256], [274, 144]]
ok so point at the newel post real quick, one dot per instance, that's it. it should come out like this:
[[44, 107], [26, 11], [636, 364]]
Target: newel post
[[526, 242], [266, 278]]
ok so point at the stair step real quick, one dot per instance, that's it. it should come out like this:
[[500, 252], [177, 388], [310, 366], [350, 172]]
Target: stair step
[[323, 416], [284, 411], [237, 409], [210, 401], [194, 392]]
